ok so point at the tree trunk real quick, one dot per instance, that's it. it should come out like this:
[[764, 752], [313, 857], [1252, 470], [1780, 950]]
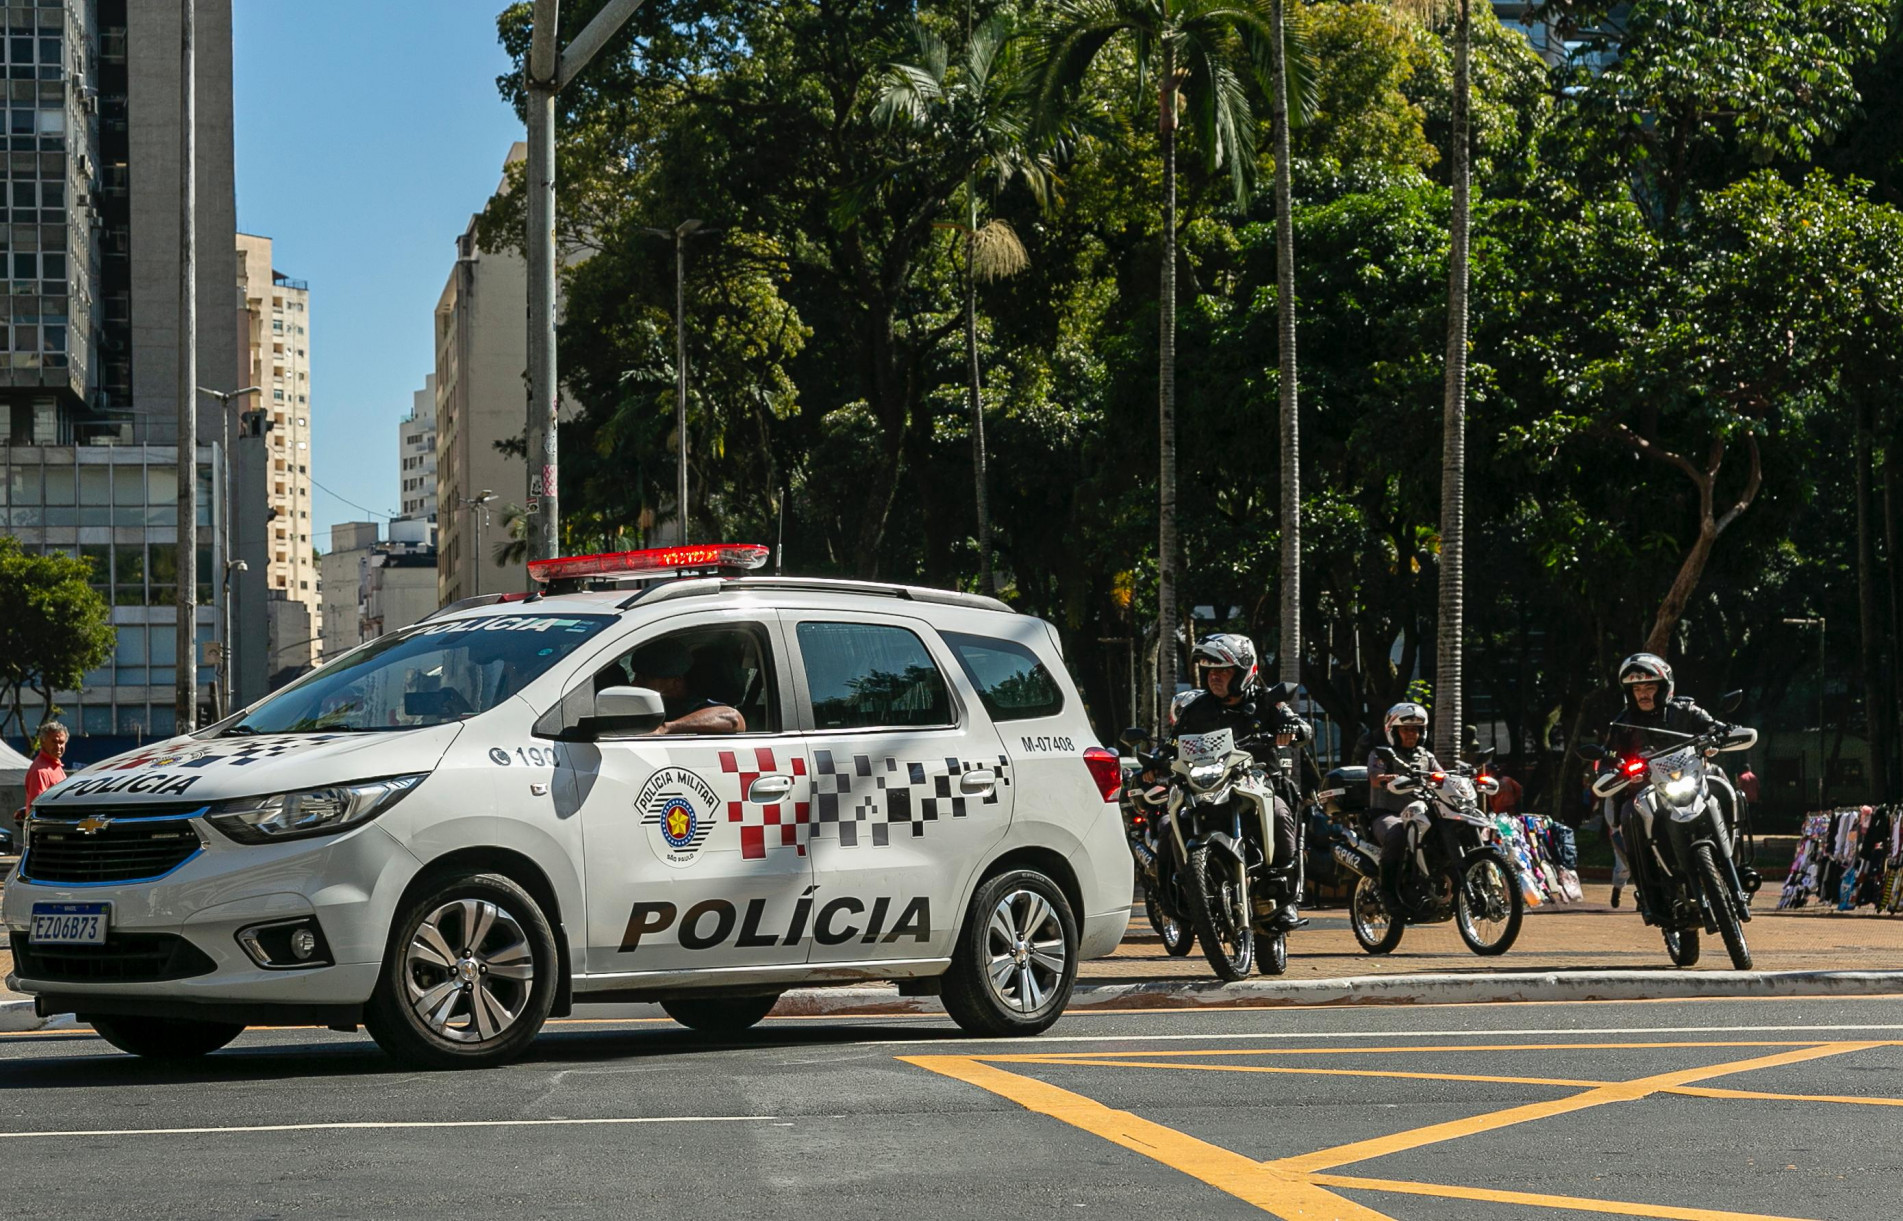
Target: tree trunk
[[1875, 713], [1289, 649], [1167, 559], [1450, 710], [986, 581], [1890, 575]]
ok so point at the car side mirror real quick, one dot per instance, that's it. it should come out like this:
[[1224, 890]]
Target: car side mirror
[[1730, 700], [624, 710]]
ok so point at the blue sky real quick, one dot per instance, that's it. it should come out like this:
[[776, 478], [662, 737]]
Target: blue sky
[[367, 133]]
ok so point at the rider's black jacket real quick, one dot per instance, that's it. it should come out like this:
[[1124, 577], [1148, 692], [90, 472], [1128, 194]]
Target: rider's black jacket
[[1630, 731], [1255, 721]]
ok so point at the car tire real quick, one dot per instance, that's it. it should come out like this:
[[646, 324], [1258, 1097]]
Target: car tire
[[469, 975], [1016, 957], [157, 1038], [721, 1014]]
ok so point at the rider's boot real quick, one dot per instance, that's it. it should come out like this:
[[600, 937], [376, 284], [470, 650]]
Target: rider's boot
[[1391, 886]]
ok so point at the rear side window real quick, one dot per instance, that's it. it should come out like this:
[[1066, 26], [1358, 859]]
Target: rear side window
[[1013, 684], [868, 675]]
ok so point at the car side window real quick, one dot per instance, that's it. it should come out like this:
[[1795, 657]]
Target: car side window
[[727, 664], [870, 675], [1011, 682]]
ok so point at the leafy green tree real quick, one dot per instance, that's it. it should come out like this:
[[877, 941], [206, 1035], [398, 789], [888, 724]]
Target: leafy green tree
[[1197, 53], [53, 627], [979, 116]]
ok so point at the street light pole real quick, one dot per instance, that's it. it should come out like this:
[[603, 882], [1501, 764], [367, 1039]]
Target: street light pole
[[231, 522], [680, 233], [185, 689], [1818, 622], [477, 513], [548, 70]]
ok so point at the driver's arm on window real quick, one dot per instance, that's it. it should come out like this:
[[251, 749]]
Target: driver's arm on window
[[715, 719]]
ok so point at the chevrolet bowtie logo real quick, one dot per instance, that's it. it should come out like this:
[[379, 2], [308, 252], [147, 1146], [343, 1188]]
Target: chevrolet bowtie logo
[[92, 824]]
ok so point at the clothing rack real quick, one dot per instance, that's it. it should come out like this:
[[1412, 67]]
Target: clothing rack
[[1847, 858]]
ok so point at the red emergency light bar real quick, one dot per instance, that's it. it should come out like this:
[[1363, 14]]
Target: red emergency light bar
[[654, 560]]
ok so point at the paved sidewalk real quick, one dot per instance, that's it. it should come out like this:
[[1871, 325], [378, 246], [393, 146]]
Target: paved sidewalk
[[1587, 936]]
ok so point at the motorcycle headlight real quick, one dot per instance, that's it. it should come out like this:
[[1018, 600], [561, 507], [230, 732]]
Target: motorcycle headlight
[[323, 811], [1206, 774], [1681, 790]]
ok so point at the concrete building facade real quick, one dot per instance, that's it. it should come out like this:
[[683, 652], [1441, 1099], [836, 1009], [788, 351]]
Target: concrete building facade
[[373, 584], [416, 454], [89, 358], [342, 568]]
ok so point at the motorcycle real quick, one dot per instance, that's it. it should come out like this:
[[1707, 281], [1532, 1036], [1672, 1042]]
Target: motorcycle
[[1213, 851], [1454, 867], [1680, 852], [1145, 804]]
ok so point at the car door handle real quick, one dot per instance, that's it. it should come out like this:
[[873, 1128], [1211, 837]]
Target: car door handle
[[765, 790], [980, 781]]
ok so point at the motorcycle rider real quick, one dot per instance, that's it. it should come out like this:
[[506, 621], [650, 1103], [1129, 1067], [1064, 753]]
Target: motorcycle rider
[[1232, 698], [1405, 728], [1650, 704]]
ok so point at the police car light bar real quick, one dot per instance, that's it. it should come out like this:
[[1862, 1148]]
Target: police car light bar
[[651, 562]]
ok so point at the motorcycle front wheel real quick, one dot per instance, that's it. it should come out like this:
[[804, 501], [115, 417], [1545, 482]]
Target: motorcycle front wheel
[[1681, 945], [1272, 955], [1488, 905], [1215, 910], [1718, 894], [1375, 929], [1178, 938]]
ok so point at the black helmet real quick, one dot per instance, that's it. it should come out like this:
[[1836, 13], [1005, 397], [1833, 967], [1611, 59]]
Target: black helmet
[[1646, 668]]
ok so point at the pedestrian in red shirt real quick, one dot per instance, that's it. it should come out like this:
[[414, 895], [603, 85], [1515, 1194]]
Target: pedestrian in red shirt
[[1507, 800], [47, 769]]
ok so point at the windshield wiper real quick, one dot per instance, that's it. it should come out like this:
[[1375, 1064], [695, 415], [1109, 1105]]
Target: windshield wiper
[[237, 731]]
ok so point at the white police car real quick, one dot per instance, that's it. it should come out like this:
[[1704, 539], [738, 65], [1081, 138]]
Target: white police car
[[464, 827]]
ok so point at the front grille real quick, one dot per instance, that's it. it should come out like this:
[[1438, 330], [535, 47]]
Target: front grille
[[127, 849], [126, 958]]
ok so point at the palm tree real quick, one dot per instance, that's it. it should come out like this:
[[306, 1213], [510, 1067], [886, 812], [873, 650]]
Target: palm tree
[[976, 118], [1290, 646], [1194, 51]]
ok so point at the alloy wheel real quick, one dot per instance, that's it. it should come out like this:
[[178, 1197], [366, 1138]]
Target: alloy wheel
[[1025, 951], [469, 971]]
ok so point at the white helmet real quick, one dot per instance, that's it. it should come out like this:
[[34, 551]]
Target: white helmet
[[1407, 712], [1223, 650], [1646, 668]]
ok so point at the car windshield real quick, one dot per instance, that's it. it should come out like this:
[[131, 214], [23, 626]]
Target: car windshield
[[428, 675]]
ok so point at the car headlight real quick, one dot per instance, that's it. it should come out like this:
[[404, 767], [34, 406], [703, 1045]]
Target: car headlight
[[323, 811], [1206, 774]]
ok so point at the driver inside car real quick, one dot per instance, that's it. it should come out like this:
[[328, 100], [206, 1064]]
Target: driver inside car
[[666, 667]]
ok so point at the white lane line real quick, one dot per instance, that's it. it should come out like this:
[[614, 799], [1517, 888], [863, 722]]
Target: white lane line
[[1398, 1032], [379, 1124]]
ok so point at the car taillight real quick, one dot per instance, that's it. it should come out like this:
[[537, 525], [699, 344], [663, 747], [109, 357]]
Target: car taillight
[[1105, 770]]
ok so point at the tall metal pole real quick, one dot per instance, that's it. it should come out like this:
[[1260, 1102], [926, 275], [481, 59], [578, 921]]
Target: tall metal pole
[[544, 505], [185, 693], [680, 371], [549, 70]]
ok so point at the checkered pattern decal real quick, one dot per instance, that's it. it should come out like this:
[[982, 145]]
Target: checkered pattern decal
[[787, 821], [864, 798], [202, 756]]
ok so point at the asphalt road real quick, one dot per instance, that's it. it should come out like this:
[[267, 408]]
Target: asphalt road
[[1674, 1109]]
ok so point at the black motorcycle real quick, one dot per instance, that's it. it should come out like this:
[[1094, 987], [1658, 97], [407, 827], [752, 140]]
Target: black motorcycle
[[1144, 804], [1454, 867], [1679, 851]]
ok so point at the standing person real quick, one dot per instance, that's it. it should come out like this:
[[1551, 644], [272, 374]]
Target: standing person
[[48, 768], [1506, 800]]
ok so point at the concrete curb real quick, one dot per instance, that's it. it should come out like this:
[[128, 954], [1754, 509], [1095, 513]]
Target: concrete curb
[[1390, 990], [1469, 989]]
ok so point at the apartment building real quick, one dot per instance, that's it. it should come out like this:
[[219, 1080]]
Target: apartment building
[[89, 463], [416, 454]]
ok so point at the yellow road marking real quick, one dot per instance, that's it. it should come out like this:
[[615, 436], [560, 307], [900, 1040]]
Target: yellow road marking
[[1624, 1091], [1697, 1091], [1313, 1072], [1285, 1195], [1577, 1203]]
